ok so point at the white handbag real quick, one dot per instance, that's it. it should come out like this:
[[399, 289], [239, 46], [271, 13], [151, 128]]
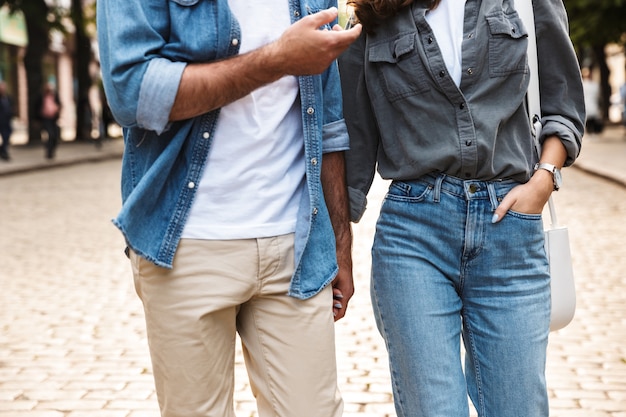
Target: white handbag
[[562, 287]]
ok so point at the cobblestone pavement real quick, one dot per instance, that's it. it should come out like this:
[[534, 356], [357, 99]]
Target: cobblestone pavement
[[72, 340]]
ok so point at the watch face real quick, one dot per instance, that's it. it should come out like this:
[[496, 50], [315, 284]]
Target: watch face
[[557, 179]]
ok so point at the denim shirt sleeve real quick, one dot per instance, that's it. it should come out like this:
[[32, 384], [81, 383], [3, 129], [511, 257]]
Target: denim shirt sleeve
[[157, 94], [137, 73], [334, 131]]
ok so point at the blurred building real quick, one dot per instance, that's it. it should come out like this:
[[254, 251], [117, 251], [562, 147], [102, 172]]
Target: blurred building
[[57, 67]]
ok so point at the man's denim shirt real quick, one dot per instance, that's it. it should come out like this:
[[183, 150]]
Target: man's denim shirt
[[144, 47]]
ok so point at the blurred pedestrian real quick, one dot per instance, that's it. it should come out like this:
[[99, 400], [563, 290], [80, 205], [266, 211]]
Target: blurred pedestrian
[[435, 100], [49, 109], [6, 128], [594, 123]]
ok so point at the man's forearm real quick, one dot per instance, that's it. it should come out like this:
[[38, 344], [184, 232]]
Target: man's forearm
[[206, 87], [336, 195], [303, 49]]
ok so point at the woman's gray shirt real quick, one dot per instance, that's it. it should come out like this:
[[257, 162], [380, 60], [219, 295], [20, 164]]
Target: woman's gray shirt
[[406, 115]]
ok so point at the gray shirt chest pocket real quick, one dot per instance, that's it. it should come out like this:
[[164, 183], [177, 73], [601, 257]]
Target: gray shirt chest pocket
[[399, 66], [508, 43]]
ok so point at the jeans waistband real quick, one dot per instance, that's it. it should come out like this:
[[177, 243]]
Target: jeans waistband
[[472, 189]]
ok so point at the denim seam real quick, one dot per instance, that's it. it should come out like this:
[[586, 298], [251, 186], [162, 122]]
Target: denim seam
[[396, 389], [472, 351]]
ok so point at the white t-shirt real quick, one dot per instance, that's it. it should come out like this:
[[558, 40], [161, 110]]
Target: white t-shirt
[[446, 22], [254, 177]]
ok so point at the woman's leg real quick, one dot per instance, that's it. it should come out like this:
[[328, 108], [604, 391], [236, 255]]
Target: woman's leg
[[506, 298], [415, 294]]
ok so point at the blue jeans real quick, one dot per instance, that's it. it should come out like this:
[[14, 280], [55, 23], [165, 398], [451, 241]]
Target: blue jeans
[[441, 271]]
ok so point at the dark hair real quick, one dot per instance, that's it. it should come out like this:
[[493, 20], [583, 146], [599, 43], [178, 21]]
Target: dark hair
[[371, 12]]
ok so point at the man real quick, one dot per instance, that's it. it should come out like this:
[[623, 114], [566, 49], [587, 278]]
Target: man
[[6, 114], [233, 127]]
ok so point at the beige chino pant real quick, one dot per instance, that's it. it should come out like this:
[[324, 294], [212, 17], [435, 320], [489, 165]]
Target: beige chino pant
[[218, 288]]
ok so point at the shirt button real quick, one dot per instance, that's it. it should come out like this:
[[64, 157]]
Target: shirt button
[[468, 175], [315, 211], [462, 106], [310, 110], [206, 135], [191, 185], [314, 161], [470, 71], [296, 13], [430, 39], [235, 42], [468, 143], [442, 74], [470, 36]]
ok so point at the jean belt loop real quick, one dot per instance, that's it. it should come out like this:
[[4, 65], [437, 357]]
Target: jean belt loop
[[493, 196], [438, 182]]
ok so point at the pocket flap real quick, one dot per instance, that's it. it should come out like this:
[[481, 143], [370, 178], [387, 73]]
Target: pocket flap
[[392, 51], [512, 26]]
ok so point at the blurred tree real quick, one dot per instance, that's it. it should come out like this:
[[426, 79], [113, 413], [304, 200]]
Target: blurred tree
[[593, 25], [82, 59]]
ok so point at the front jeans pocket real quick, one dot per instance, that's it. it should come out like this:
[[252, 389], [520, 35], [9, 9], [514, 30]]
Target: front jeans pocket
[[414, 192]]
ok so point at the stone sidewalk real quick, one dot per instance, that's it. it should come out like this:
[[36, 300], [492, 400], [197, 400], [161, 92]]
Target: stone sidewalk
[[72, 339], [603, 155]]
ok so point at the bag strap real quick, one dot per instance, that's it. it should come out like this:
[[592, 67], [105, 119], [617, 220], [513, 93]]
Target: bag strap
[[525, 10]]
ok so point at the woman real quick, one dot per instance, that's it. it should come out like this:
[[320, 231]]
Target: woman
[[434, 96]]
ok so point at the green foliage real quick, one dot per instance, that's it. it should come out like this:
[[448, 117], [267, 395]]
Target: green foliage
[[48, 16], [597, 22]]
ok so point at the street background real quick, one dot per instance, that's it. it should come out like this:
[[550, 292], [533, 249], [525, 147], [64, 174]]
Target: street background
[[72, 339]]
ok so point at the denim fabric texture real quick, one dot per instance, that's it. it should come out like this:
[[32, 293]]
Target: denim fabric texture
[[490, 288], [163, 161]]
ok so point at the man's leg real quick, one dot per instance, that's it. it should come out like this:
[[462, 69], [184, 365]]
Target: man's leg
[[289, 344], [190, 319]]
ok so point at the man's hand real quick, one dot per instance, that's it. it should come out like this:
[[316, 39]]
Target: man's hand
[[343, 289], [309, 46]]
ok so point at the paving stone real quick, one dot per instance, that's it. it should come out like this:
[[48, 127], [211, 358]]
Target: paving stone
[[72, 338]]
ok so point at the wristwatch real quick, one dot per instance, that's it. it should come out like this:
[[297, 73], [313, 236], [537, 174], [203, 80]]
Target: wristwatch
[[556, 173]]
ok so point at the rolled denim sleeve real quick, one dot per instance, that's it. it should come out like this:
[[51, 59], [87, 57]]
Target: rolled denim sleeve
[[157, 94], [140, 84], [334, 131], [335, 137]]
